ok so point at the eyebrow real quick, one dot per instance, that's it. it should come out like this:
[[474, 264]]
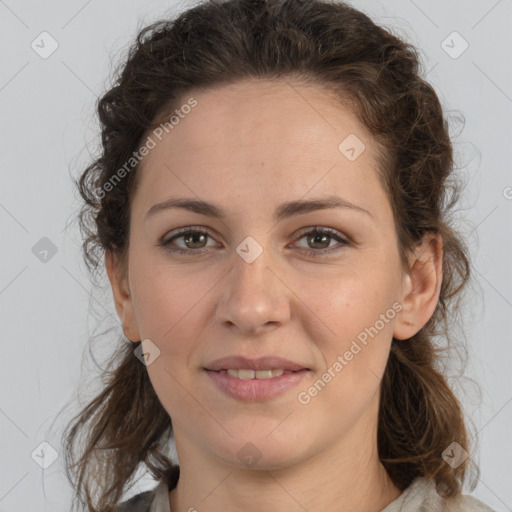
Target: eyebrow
[[283, 211]]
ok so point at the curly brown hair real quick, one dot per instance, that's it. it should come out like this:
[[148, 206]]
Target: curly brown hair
[[376, 73]]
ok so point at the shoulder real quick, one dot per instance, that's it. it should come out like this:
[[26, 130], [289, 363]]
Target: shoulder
[[466, 503], [154, 500], [139, 503], [421, 496]]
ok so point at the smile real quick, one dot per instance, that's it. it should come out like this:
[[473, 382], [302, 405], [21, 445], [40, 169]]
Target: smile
[[256, 385], [247, 374]]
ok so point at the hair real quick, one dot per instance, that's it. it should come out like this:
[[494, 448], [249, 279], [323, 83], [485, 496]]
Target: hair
[[377, 74]]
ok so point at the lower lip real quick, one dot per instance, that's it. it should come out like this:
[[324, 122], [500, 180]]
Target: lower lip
[[256, 390]]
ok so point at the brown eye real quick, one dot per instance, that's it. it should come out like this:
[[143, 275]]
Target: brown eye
[[319, 239], [194, 240]]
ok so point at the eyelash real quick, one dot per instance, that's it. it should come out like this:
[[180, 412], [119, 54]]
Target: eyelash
[[310, 252]]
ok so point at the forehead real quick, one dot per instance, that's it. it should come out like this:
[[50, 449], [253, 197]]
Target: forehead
[[268, 111], [265, 137]]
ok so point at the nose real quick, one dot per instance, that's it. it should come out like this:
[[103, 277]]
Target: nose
[[254, 297]]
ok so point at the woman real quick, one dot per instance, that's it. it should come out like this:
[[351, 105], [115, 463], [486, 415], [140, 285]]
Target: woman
[[271, 202]]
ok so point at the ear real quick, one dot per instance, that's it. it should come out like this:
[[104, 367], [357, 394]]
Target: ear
[[421, 286], [122, 296]]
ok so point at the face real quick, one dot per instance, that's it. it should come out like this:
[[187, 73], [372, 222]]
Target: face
[[255, 285]]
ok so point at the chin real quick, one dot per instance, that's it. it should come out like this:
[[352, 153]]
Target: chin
[[260, 452]]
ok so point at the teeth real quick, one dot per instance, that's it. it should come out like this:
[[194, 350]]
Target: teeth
[[255, 374]]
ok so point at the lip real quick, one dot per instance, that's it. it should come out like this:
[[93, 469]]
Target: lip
[[260, 363], [256, 390]]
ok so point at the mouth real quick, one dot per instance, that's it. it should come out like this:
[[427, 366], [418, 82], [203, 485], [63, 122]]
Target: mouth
[[249, 374], [249, 385], [255, 379], [244, 365]]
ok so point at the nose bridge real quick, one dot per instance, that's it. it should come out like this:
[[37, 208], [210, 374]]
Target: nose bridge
[[253, 296]]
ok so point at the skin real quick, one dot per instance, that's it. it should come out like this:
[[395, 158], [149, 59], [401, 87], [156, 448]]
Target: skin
[[248, 147]]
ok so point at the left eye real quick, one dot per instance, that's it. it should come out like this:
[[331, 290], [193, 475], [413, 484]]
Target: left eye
[[319, 236], [315, 236]]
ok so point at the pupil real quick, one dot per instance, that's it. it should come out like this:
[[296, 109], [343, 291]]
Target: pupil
[[192, 236], [319, 235]]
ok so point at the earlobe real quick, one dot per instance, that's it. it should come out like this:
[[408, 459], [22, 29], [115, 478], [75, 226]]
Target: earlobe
[[422, 285], [122, 296]]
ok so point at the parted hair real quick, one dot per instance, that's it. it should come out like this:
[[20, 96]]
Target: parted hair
[[377, 75]]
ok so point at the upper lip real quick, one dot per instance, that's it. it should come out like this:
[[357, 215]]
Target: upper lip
[[260, 363]]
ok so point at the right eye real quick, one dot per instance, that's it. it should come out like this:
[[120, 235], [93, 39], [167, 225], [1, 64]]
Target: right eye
[[191, 235]]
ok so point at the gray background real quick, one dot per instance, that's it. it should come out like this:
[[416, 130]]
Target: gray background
[[48, 131]]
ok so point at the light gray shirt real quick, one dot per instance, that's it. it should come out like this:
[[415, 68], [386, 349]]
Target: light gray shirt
[[420, 496]]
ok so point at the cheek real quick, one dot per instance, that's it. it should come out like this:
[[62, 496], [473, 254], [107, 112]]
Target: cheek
[[350, 302], [170, 312], [167, 303], [352, 327]]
